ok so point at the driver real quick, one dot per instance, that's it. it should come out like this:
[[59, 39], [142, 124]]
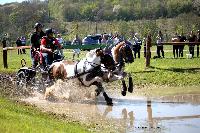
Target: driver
[[48, 44]]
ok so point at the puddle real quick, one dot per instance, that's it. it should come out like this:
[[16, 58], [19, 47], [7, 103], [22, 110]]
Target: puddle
[[129, 114]]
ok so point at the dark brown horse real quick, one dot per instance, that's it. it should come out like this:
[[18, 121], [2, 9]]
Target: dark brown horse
[[122, 54]]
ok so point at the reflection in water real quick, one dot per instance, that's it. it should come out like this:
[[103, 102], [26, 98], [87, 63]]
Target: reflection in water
[[154, 116], [149, 111]]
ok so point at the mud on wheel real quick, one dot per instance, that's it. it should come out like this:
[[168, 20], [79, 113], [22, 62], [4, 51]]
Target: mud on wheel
[[21, 79]]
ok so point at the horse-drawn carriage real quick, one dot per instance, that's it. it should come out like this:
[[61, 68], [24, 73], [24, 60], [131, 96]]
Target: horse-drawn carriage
[[95, 68]]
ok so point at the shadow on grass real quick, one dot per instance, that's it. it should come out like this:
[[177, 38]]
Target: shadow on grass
[[153, 69], [180, 70]]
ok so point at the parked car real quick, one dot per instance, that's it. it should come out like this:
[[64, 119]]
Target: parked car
[[91, 39]]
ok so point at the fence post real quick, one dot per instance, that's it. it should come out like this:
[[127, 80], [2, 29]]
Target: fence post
[[148, 51], [5, 63]]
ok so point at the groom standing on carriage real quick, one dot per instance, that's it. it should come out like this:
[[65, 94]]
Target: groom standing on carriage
[[35, 42]]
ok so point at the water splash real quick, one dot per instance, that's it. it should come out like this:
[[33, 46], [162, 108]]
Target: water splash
[[71, 91]]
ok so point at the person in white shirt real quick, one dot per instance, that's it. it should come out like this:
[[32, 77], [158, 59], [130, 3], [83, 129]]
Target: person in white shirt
[[76, 41], [60, 41]]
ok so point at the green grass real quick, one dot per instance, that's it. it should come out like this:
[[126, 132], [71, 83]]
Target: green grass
[[166, 71], [18, 118]]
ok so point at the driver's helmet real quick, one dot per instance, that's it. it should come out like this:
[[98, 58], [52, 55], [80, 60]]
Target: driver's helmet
[[49, 31], [38, 25]]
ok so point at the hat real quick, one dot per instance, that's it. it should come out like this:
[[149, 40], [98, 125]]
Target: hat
[[38, 25]]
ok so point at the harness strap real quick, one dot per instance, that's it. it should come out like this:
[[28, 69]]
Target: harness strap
[[77, 74], [84, 72]]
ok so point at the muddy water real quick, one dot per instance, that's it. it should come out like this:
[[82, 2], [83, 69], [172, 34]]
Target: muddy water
[[128, 114]]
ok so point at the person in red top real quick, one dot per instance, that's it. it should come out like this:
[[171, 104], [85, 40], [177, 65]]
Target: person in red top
[[48, 44]]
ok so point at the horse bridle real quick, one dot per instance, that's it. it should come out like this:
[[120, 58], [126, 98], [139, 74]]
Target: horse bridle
[[121, 55]]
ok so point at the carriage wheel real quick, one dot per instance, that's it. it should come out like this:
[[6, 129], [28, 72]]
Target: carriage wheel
[[39, 80], [21, 80]]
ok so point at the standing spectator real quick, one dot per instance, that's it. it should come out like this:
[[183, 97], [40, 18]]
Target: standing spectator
[[35, 41], [116, 38], [176, 38], [76, 41], [60, 41], [198, 40], [136, 42], [4, 41], [181, 47], [192, 38], [104, 39], [159, 39], [19, 43], [23, 40]]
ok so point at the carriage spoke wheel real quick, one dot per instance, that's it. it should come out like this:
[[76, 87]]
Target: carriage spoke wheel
[[39, 81], [21, 80]]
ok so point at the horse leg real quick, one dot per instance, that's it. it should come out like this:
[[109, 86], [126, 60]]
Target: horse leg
[[106, 97], [124, 88], [130, 87]]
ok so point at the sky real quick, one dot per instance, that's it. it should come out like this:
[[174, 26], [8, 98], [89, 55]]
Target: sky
[[8, 1]]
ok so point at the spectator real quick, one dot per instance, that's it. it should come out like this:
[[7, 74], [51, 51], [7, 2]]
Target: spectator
[[48, 44], [159, 39], [116, 38], [19, 43], [76, 41], [136, 42], [181, 47], [60, 41], [198, 40], [104, 39], [35, 41], [23, 40], [192, 38], [4, 41], [176, 38]]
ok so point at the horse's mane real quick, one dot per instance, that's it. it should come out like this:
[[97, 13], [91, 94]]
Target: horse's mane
[[116, 50], [91, 53]]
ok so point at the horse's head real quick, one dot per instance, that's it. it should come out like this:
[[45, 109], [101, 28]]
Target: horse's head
[[126, 53], [106, 59], [108, 62]]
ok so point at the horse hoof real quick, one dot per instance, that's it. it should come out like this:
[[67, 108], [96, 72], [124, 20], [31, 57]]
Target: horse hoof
[[130, 89], [123, 93], [97, 92], [109, 102]]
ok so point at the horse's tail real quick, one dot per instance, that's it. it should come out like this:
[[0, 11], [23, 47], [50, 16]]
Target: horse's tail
[[50, 70]]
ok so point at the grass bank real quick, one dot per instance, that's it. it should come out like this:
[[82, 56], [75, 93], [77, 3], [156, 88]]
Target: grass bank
[[18, 118], [166, 71]]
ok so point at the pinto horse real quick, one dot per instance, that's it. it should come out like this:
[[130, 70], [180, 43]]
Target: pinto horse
[[122, 54], [88, 70]]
